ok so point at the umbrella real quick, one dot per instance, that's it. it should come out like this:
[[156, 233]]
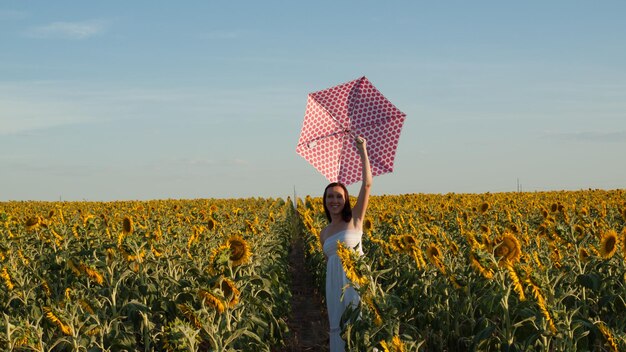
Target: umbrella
[[332, 120]]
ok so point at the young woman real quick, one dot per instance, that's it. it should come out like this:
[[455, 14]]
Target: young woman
[[346, 226]]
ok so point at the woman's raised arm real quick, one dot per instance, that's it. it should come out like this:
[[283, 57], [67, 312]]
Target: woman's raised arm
[[358, 211]]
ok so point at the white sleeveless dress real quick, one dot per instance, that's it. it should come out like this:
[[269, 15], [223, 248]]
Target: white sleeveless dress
[[336, 282]]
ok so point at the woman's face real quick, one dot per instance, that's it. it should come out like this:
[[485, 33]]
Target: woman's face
[[335, 199]]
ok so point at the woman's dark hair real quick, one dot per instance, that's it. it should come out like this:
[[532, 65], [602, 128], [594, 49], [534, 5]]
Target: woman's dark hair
[[346, 212]]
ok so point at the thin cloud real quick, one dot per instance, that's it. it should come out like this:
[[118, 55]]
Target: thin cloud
[[37, 105], [68, 30]]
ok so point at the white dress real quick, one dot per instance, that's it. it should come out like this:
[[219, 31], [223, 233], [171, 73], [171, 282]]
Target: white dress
[[336, 281]]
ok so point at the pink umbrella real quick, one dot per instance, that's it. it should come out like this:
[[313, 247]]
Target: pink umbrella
[[335, 116]]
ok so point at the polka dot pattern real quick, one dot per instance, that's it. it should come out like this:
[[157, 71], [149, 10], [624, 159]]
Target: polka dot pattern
[[335, 116]]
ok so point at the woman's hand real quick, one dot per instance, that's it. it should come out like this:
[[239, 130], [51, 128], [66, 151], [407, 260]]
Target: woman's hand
[[360, 143]]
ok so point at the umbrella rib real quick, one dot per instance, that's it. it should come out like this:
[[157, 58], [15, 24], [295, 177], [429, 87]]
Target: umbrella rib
[[357, 88], [331, 116], [321, 137]]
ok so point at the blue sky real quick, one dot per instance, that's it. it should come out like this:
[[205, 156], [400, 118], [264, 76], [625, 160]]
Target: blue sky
[[118, 100]]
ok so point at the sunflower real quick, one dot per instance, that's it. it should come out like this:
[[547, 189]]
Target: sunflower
[[508, 248], [211, 300], [367, 225], [348, 261], [378, 320], [583, 255], [417, 254], [541, 301], [127, 225], [75, 269], [93, 274], [55, 320], [211, 224], [230, 292], [475, 263], [239, 250], [434, 255], [7, 279], [93, 331], [23, 336], [86, 306], [32, 222], [190, 315], [384, 346], [408, 241], [608, 244], [46, 288], [484, 207], [396, 345], [517, 284], [579, 232], [608, 336]]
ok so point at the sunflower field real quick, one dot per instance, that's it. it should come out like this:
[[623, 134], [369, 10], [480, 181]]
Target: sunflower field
[[542, 271], [169, 275]]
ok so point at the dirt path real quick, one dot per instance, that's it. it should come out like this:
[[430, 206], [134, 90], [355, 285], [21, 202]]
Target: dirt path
[[308, 323]]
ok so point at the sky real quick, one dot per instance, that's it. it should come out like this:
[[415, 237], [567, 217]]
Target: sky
[[140, 100]]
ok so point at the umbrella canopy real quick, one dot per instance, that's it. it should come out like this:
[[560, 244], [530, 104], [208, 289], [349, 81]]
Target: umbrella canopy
[[332, 120]]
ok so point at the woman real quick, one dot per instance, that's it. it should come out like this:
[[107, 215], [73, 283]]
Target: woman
[[346, 226]]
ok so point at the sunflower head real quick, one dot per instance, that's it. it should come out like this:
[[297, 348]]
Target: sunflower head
[[348, 259], [583, 255], [433, 252], [608, 244], [211, 300], [484, 207], [435, 257], [508, 249], [32, 222], [211, 224], [579, 232], [554, 207], [239, 250], [367, 225], [127, 225], [408, 241], [229, 291]]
